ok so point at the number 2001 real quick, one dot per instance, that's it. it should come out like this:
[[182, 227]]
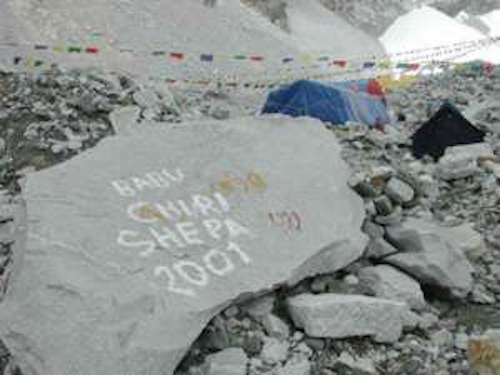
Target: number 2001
[[215, 262]]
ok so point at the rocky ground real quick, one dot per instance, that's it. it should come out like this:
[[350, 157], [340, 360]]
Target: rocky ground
[[428, 281]]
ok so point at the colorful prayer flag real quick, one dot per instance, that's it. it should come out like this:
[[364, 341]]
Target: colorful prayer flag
[[341, 63], [41, 47], [176, 55], [256, 58], [240, 57], [159, 53], [287, 60], [74, 49], [92, 50], [206, 57]]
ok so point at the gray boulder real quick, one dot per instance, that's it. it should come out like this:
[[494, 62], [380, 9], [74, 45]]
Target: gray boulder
[[430, 258], [387, 282], [399, 191], [342, 316], [379, 248], [462, 161], [136, 244], [125, 119]]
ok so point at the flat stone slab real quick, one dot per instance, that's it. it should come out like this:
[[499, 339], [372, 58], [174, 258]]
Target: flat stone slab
[[387, 282], [428, 255], [343, 315], [136, 244]]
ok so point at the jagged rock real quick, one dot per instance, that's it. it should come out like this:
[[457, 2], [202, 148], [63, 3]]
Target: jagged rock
[[399, 191], [387, 282], [7, 233], [356, 366], [480, 295], [463, 236], [146, 98], [391, 219], [462, 161], [359, 184], [493, 167], [260, 307], [351, 280], [125, 119], [442, 338], [429, 258], [373, 230], [341, 316], [232, 361], [275, 327], [379, 248], [383, 205], [274, 350], [315, 344], [3, 146], [300, 366], [220, 113], [149, 242], [461, 341]]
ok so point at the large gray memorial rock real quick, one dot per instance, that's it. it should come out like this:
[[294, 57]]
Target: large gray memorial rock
[[134, 245]]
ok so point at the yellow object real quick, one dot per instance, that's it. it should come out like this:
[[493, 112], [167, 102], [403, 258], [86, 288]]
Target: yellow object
[[390, 83]]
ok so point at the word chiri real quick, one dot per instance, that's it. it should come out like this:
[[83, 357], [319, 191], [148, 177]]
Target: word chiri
[[181, 223]]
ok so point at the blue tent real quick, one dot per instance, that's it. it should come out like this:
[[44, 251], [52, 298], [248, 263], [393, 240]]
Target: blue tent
[[335, 103]]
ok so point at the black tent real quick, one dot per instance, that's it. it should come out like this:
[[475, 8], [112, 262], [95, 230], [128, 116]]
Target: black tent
[[446, 128]]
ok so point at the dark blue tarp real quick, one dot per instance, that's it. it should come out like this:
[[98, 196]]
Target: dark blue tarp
[[335, 103]]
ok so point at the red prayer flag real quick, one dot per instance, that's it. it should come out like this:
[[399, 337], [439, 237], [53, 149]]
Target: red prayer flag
[[341, 63], [256, 58], [93, 50], [176, 55]]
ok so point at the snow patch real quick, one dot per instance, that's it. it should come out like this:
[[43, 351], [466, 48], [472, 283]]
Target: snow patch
[[426, 28]]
